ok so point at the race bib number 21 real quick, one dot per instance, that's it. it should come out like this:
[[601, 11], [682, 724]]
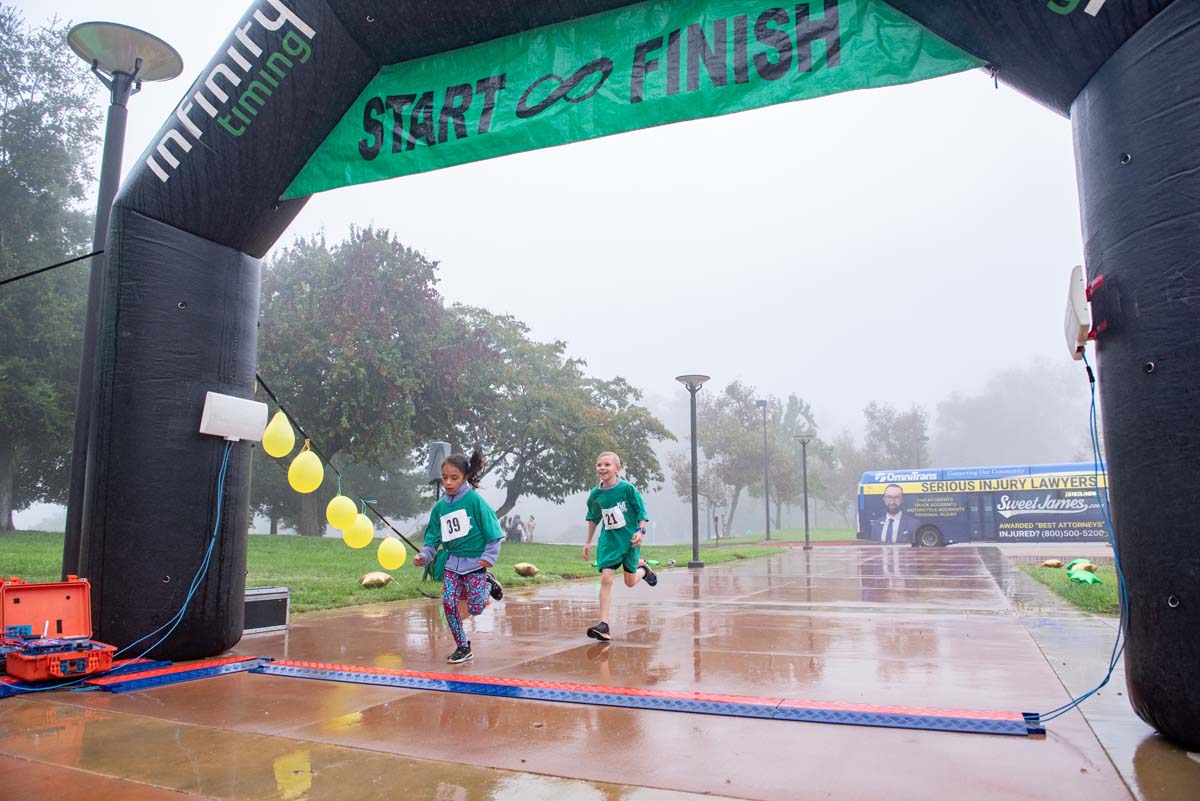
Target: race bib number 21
[[613, 518], [455, 525]]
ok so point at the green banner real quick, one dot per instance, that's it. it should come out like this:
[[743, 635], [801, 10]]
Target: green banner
[[634, 67]]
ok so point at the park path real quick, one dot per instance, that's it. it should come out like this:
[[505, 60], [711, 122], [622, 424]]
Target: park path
[[954, 628]]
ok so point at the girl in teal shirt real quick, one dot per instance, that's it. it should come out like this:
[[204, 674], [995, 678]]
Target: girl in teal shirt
[[462, 540]]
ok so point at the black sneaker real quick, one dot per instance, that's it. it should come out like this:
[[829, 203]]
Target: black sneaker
[[599, 632], [650, 578], [461, 654], [497, 590]]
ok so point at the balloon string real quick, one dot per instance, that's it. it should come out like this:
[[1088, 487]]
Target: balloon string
[[307, 441]]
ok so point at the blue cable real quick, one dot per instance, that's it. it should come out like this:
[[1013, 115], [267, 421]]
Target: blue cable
[[198, 579], [177, 618], [1110, 529]]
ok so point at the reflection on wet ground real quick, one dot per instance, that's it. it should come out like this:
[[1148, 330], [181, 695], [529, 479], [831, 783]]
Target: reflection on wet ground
[[949, 628]]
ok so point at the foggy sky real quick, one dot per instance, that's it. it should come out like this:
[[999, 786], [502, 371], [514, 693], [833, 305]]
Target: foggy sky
[[894, 244]]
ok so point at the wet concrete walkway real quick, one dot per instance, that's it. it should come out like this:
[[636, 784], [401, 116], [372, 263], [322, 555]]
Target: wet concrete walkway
[[947, 628]]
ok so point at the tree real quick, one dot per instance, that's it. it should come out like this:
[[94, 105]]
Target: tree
[[392, 490], [546, 419], [1023, 415], [731, 436], [844, 469], [897, 439], [48, 122], [392, 487], [270, 494], [346, 342], [787, 484], [709, 485], [783, 470]]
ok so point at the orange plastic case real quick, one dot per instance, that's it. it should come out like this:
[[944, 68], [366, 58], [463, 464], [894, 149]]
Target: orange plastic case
[[50, 627]]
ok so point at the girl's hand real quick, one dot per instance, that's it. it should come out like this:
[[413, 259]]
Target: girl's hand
[[587, 549], [485, 564], [637, 539], [418, 560]]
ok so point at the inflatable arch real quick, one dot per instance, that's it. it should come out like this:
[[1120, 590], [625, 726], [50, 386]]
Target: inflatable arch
[[306, 95]]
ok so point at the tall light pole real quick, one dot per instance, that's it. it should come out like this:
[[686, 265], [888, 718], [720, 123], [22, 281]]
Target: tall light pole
[[762, 404], [805, 437], [693, 384], [122, 58]]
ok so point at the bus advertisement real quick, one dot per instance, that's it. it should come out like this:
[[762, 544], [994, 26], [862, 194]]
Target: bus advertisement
[[1019, 503]]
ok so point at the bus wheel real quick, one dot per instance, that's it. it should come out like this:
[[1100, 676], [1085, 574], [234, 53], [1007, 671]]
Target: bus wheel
[[929, 537]]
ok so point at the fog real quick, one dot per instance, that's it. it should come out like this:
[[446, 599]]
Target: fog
[[907, 245]]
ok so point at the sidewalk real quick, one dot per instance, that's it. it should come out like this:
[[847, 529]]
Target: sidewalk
[[946, 628]]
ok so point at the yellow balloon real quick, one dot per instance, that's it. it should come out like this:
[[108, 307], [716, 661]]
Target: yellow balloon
[[278, 439], [360, 533], [341, 512], [306, 472], [391, 553]]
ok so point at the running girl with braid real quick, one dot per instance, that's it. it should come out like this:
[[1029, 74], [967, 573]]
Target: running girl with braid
[[462, 541]]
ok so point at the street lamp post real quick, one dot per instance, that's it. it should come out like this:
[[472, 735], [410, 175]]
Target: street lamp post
[[122, 58], [762, 404], [693, 384], [805, 438]]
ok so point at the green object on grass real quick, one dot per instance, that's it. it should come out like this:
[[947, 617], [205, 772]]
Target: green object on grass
[[1084, 577], [1073, 562]]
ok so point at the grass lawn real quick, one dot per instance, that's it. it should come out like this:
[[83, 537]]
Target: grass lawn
[[1099, 598], [322, 573]]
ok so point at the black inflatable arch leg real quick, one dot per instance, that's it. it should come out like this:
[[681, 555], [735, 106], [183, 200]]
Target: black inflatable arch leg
[[180, 319], [1137, 142]]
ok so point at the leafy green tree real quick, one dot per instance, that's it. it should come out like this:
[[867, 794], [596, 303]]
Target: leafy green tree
[[841, 469], [709, 485], [346, 342], [392, 489], [787, 481], [730, 423], [270, 494], [1023, 415], [897, 439], [48, 136], [546, 419], [893, 440]]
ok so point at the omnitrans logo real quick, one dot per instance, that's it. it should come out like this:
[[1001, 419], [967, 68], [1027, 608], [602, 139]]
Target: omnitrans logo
[[1049, 505], [911, 475], [265, 74]]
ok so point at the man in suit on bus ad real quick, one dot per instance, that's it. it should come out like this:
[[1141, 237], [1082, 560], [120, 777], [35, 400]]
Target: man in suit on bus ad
[[896, 525]]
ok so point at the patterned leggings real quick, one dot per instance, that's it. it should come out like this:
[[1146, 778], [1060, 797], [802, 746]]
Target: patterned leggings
[[474, 588]]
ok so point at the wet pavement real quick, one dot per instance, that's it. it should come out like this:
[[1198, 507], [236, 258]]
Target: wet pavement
[[946, 628]]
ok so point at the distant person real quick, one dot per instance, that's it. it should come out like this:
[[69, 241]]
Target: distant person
[[516, 529], [897, 525], [465, 535], [529, 527], [618, 507]]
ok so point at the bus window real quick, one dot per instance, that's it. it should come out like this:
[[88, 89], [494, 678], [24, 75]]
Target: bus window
[[989, 514]]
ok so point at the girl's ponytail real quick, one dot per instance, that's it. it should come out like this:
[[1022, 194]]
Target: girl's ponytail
[[474, 471], [471, 468]]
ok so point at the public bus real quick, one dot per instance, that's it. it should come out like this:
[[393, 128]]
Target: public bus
[[1016, 503]]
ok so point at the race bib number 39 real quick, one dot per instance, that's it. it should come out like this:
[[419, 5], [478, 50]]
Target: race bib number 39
[[455, 525], [613, 518]]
